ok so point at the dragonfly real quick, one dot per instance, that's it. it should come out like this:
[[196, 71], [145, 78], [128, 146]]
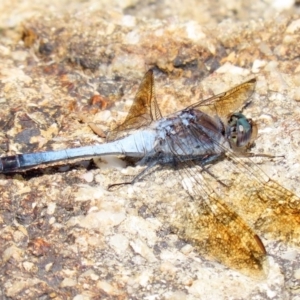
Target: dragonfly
[[224, 220]]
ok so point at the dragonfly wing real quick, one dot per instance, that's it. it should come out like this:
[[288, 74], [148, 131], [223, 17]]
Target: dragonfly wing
[[272, 210], [217, 232], [214, 228], [206, 221], [267, 207], [143, 111], [227, 103], [281, 219]]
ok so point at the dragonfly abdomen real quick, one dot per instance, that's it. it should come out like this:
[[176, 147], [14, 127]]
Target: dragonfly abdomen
[[135, 145]]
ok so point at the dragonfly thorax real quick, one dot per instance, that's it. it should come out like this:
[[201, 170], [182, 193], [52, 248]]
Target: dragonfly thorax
[[190, 134]]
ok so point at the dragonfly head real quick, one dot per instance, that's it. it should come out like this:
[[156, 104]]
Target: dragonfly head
[[241, 132]]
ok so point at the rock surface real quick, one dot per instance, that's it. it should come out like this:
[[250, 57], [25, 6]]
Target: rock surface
[[63, 234]]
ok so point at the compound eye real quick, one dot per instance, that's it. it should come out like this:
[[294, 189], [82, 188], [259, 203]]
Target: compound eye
[[241, 131]]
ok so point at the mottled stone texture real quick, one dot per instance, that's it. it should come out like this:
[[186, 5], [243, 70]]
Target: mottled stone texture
[[64, 66]]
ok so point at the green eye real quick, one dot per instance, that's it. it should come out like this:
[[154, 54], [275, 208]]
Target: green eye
[[240, 131]]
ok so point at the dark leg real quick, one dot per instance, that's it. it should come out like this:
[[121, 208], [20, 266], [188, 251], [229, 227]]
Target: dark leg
[[137, 177]]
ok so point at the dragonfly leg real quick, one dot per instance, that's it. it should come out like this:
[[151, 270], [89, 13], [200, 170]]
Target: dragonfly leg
[[204, 164], [250, 154], [137, 177], [206, 169], [211, 159]]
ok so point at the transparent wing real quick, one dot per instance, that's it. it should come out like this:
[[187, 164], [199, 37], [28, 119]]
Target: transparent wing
[[143, 111], [233, 201], [208, 222], [272, 210], [229, 102]]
